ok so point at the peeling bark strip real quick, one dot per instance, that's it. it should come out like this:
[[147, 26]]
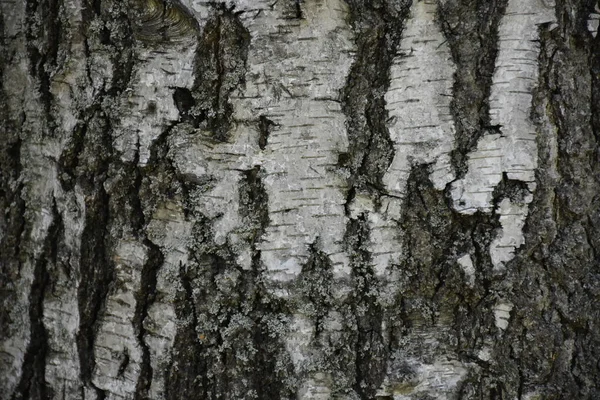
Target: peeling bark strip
[[299, 199], [418, 101], [513, 151]]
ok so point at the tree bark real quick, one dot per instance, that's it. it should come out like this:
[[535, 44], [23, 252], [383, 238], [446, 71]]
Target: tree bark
[[312, 199]]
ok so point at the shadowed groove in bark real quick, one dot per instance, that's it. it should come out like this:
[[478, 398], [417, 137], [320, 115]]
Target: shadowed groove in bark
[[32, 384], [145, 299], [44, 35], [226, 320], [254, 203], [95, 267], [556, 342], [371, 352], [187, 374], [434, 295], [378, 27], [471, 28], [12, 206], [120, 37], [265, 125], [220, 68], [314, 285], [225, 315]]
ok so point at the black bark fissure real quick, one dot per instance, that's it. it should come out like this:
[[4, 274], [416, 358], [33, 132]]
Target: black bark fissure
[[96, 269], [557, 352], [378, 27], [434, 291], [44, 35], [147, 293], [12, 208], [471, 28], [315, 288], [265, 126], [254, 203], [370, 348], [32, 384], [220, 68], [226, 316]]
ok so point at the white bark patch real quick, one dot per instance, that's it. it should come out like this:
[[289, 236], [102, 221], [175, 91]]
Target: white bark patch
[[116, 350], [298, 340], [296, 69], [169, 230], [316, 388], [512, 219], [514, 150], [594, 21], [502, 315], [466, 263], [418, 103], [149, 100]]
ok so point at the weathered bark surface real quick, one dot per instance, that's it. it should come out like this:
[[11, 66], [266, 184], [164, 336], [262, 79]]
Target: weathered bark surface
[[314, 199]]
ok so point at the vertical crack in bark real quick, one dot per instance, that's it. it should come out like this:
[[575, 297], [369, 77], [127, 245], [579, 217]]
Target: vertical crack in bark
[[44, 35], [371, 351], [225, 316], [557, 357], [187, 374], [471, 29], [144, 301], [315, 288], [12, 217], [69, 158], [32, 384], [265, 126], [445, 311], [254, 203], [378, 28], [378, 33], [220, 68], [95, 268]]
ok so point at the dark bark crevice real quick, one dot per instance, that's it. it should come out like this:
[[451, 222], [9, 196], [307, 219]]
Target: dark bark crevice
[[471, 29], [145, 298], [96, 269], [12, 213], [315, 288], [254, 204], [225, 313], [555, 273], [378, 27], [265, 126], [434, 294], [371, 352], [229, 323], [44, 36], [220, 68]]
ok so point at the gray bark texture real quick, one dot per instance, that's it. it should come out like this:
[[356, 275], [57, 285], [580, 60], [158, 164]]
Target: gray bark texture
[[299, 199]]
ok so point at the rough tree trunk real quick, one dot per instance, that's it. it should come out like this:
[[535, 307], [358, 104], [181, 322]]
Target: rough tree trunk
[[312, 199]]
